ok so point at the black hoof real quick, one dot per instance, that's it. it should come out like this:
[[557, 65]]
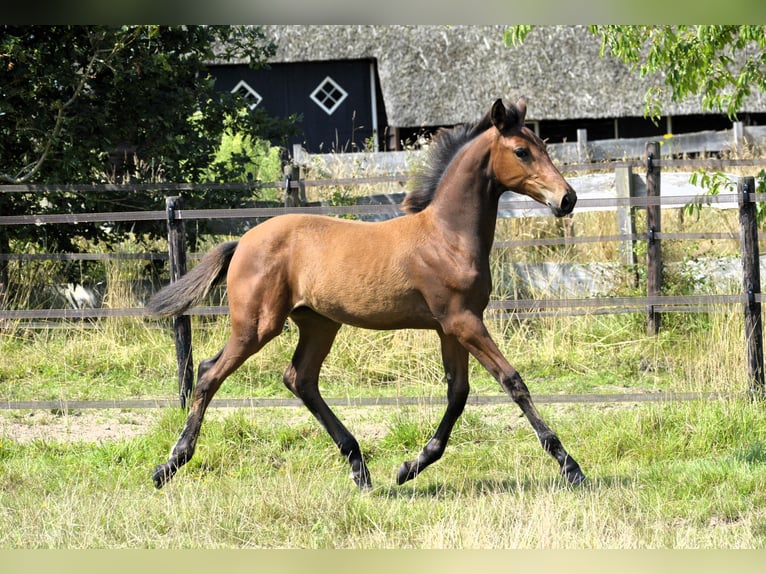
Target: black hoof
[[407, 471], [361, 478], [162, 474], [363, 483], [571, 471]]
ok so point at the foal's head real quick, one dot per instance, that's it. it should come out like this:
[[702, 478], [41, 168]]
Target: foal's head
[[520, 163]]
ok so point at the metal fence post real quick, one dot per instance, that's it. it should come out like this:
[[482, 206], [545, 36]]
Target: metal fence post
[[181, 325]]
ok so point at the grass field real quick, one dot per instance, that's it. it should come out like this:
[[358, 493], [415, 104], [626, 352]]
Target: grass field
[[685, 475], [662, 475]]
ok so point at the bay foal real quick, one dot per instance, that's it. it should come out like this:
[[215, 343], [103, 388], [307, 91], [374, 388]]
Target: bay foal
[[426, 270]]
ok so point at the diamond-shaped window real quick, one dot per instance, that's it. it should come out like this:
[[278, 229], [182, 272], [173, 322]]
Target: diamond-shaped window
[[329, 95], [252, 97]]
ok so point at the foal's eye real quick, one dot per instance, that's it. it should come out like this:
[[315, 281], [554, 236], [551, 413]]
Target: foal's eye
[[521, 153]]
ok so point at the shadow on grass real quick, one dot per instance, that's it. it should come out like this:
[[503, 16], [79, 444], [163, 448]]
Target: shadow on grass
[[485, 486]]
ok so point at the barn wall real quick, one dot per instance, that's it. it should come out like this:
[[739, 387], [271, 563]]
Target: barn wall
[[286, 89]]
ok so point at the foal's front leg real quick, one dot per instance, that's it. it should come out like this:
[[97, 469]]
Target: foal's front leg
[[455, 359], [473, 334]]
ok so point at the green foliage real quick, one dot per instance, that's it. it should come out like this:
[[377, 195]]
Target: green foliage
[[515, 35], [713, 183], [244, 158], [717, 182], [722, 64], [118, 104], [240, 158]]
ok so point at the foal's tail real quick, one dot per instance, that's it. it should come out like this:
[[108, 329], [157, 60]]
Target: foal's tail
[[190, 289]]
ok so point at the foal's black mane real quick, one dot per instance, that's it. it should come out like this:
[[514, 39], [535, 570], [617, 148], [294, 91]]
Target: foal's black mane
[[441, 152]]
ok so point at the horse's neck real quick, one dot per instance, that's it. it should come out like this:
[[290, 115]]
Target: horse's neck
[[466, 202]]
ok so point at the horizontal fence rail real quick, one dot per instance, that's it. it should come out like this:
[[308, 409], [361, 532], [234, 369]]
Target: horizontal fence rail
[[523, 205], [511, 243], [533, 307]]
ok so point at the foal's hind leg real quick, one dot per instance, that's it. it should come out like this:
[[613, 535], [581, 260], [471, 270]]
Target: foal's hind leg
[[212, 372], [455, 359], [317, 334]]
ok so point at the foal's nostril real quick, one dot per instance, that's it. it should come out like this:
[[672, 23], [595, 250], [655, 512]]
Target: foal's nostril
[[568, 203]]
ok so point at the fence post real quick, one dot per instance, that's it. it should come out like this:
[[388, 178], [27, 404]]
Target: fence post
[[4, 265], [654, 225], [182, 324], [295, 196], [582, 145], [751, 285], [626, 225], [738, 131]]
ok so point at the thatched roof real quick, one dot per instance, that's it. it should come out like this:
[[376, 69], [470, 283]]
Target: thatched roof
[[435, 75]]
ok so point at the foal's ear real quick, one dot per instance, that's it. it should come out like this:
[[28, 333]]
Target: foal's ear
[[521, 105], [499, 115], [503, 118]]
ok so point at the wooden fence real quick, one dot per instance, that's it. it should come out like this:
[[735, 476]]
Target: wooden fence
[[626, 199]]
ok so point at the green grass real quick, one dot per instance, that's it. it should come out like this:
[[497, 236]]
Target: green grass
[[122, 360], [678, 475], [687, 475]]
